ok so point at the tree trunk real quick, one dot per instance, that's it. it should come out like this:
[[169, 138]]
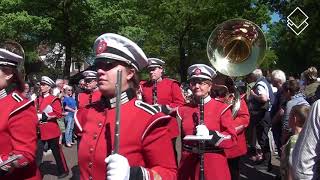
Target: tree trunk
[[67, 39], [183, 69]]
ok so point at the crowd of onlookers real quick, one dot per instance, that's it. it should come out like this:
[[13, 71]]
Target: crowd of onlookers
[[285, 106], [68, 96], [282, 107]]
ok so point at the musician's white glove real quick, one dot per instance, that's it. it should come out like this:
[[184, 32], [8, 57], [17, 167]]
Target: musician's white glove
[[118, 167], [39, 116], [48, 109], [33, 97], [202, 130], [5, 167]]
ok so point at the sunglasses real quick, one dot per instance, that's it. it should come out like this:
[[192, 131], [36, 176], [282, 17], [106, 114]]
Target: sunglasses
[[153, 68], [105, 64], [88, 80], [199, 81]]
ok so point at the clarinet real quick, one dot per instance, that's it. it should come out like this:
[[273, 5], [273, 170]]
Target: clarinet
[[201, 143], [154, 92], [90, 97], [38, 111]]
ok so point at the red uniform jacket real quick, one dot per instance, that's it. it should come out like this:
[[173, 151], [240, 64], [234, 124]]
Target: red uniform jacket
[[18, 122], [168, 92], [50, 129], [218, 117], [84, 98], [240, 123], [144, 139]]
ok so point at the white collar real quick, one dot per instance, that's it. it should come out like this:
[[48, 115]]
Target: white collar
[[207, 99], [3, 93], [125, 97], [46, 95]]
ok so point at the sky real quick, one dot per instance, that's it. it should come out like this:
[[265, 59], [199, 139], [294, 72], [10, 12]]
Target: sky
[[274, 18]]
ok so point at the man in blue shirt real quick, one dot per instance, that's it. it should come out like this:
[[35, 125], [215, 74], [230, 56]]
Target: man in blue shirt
[[70, 106]]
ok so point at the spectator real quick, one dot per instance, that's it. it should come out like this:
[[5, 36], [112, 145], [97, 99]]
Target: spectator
[[294, 97], [297, 118], [306, 154], [311, 84], [26, 93], [260, 100], [58, 90], [278, 78], [70, 106]]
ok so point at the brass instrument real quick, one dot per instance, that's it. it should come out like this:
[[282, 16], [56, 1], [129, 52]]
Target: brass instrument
[[235, 48]]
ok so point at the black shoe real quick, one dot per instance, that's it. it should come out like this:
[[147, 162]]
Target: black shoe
[[263, 167], [63, 175]]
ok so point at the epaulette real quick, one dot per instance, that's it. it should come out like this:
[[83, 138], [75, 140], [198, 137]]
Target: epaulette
[[142, 82], [21, 106], [220, 99], [146, 107], [16, 97], [226, 108], [92, 104], [97, 105], [242, 96], [174, 80]]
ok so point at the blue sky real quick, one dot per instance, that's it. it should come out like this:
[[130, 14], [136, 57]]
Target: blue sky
[[274, 18]]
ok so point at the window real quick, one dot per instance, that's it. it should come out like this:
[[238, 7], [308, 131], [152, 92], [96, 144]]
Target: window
[[78, 66], [58, 64]]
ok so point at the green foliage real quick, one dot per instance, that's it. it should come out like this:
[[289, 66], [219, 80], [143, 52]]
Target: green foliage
[[178, 29], [174, 30], [296, 53]]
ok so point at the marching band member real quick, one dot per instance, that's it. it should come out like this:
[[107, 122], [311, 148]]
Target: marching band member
[[92, 93], [49, 110], [223, 86], [217, 122], [161, 90], [164, 94], [145, 150], [18, 122]]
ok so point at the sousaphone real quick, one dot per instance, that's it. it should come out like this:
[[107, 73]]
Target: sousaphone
[[235, 48]]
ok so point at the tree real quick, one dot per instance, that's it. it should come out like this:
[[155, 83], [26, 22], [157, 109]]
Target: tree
[[179, 29], [296, 52]]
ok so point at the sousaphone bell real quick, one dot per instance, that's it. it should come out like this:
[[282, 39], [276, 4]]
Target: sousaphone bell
[[235, 48]]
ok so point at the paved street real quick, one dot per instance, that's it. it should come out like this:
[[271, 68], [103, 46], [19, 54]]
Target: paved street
[[49, 168]]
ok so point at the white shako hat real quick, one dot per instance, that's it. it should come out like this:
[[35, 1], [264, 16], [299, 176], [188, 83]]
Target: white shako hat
[[8, 58], [201, 71], [155, 62], [48, 81], [114, 47], [89, 74]]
